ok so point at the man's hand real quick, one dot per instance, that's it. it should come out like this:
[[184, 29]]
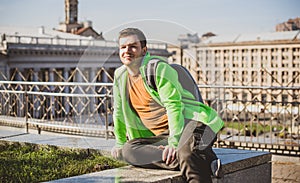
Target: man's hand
[[169, 154], [116, 152]]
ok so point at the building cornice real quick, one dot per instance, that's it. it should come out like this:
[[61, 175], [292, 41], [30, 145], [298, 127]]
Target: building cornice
[[250, 43]]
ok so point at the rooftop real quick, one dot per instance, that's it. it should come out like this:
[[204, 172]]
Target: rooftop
[[41, 32], [44, 35], [254, 37]]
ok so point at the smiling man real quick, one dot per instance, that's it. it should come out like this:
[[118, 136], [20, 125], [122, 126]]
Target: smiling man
[[164, 128]]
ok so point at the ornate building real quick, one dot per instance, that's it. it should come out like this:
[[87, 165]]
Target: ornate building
[[71, 24], [41, 54], [75, 52]]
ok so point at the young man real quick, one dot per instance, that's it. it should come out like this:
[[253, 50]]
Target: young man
[[167, 128]]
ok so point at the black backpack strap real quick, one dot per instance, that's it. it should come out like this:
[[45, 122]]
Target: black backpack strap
[[187, 81], [184, 76], [150, 73]]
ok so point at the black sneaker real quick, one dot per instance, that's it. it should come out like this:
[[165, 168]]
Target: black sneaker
[[216, 168]]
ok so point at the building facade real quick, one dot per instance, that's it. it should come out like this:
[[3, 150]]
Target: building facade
[[262, 60], [40, 54]]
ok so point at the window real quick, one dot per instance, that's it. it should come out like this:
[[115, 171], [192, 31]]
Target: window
[[284, 99], [284, 76], [244, 76], [274, 76], [263, 98], [244, 97], [296, 77], [264, 77], [254, 76], [226, 76]]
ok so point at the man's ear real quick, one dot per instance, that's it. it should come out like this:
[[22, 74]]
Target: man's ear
[[144, 50]]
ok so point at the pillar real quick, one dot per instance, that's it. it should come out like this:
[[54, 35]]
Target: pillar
[[21, 101], [52, 99], [92, 90], [78, 100], [66, 100], [104, 79], [36, 97]]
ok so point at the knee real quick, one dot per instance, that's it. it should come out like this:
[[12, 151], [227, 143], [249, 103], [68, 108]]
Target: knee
[[184, 153], [127, 151], [190, 154]]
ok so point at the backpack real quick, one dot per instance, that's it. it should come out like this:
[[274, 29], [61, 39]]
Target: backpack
[[185, 78]]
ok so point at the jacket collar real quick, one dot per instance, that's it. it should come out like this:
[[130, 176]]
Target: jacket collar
[[146, 59]]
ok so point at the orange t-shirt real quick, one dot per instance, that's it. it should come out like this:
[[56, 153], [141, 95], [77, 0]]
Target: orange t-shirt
[[153, 115]]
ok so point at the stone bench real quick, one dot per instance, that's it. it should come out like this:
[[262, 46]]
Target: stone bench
[[238, 166]]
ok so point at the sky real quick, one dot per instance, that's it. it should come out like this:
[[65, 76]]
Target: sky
[[161, 20]]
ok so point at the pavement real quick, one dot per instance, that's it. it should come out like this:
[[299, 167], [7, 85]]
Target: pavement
[[57, 139], [284, 168]]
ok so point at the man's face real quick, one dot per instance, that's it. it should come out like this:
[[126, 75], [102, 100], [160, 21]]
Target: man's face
[[131, 51]]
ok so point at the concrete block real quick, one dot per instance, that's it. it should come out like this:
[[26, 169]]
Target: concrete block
[[238, 165]]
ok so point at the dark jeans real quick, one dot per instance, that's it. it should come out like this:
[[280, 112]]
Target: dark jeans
[[194, 152]]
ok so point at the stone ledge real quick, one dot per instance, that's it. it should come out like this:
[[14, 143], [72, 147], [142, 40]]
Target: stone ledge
[[238, 166]]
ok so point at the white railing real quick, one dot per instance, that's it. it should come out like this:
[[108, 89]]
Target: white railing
[[71, 42]]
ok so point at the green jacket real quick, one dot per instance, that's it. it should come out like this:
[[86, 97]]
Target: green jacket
[[178, 102]]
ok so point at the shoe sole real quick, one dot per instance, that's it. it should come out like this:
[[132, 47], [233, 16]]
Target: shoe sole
[[217, 173]]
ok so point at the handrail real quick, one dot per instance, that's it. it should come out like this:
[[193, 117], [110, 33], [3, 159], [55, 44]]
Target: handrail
[[111, 84], [57, 94], [251, 87], [57, 83]]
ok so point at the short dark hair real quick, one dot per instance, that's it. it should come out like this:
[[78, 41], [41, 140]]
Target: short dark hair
[[134, 31]]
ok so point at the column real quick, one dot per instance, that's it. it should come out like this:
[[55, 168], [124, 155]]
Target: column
[[36, 97], [7, 72], [92, 90], [21, 102], [78, 100], [66, 100], [52, 99], [104, 79]]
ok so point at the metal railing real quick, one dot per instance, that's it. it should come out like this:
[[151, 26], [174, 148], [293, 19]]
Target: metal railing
[[251, 121], [257, 117], [81, 108]]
